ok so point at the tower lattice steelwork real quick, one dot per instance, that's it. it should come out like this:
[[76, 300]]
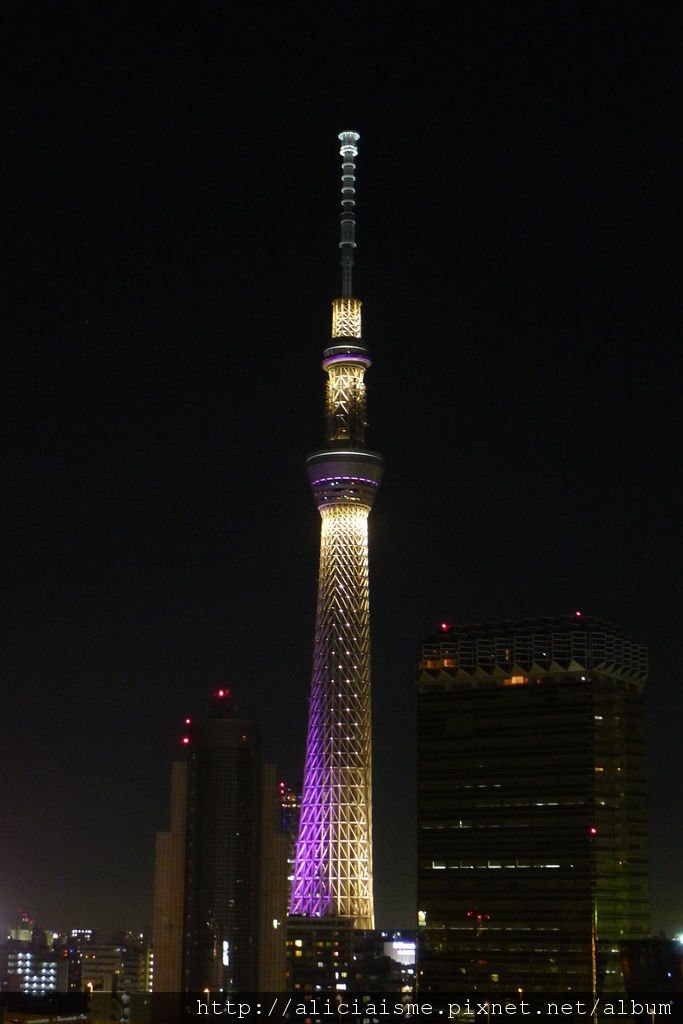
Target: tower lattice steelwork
[[333, 870]]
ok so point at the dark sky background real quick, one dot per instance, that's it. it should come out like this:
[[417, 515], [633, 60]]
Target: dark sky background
[[171, 196]]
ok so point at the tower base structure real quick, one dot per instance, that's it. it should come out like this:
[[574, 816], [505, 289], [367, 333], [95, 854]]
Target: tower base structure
[[333, 870]]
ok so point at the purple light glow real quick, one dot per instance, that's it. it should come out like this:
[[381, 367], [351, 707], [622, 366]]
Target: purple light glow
[[348, 357], [333, 869], [344, 479]]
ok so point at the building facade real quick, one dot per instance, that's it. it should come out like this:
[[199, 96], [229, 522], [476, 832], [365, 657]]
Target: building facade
[[333, 864], [532, 830], [221, 870], [327, 956], [169, 888], [30, 969], [123, 966]]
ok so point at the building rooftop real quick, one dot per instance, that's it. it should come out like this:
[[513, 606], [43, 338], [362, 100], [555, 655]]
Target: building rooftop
[[513, 647]]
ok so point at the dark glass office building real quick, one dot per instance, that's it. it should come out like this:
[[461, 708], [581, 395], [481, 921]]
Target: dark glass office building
[[532, 832], [221, 870], [222, 852]]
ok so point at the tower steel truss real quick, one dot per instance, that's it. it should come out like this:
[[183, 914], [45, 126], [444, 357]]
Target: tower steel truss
[[333, 868]]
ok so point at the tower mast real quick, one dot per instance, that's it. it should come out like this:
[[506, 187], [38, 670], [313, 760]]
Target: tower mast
[[348, 152], [333, 867]]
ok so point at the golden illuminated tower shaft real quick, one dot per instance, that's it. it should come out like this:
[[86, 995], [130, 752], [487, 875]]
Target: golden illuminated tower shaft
[[333, 870]]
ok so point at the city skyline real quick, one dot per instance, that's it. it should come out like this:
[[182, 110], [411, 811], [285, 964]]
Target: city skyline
[[169, 218]]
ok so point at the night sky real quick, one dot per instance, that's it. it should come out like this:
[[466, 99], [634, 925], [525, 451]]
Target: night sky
[[171, 196]]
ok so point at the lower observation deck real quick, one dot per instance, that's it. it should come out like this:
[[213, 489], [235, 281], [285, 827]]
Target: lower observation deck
[[349, 475]]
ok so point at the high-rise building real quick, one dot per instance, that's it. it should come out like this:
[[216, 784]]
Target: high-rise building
[[532, 833], [222, 852], [333, 869], [169, 887], [221, 870]]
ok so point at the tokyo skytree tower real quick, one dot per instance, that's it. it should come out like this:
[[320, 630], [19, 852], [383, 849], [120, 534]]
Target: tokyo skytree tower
[[333, 868]]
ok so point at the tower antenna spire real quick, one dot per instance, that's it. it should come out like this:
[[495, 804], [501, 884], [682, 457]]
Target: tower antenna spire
[[347, 243], [333, 866]]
